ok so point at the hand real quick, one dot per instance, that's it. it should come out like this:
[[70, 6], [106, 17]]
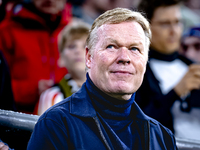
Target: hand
[[44, 85], [3, 146], [189, 82]]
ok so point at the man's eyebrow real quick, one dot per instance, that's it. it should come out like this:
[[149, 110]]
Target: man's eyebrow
[[110, 40]]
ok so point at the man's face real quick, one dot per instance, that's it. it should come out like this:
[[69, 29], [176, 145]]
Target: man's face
[[166, 29], [118, 60], [50, 6], [191, 48]]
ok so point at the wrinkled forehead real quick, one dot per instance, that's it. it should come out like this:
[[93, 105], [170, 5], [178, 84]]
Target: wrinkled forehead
[[122, 30]]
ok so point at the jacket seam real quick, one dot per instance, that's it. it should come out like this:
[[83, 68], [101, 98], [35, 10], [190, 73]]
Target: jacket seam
[[101, 133]]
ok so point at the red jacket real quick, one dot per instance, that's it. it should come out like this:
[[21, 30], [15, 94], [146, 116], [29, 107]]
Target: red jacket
[[31, 51]]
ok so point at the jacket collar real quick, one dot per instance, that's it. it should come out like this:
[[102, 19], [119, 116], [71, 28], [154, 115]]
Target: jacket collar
[[81, 105], [165, 57]]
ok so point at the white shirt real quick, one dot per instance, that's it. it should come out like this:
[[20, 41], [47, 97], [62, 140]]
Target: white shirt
[[186, 124]]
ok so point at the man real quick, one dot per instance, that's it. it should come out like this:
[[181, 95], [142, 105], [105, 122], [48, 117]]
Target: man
[[190, 44], [103, 113], [169, 78], [28, 40]]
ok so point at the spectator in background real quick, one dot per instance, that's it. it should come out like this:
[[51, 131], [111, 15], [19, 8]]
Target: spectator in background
[[125, 3], [190, 44], [89, 10], [194, 5], [28, 40], [166, 92], [6, 95], [72, 56], [6, 7], [190, 18]]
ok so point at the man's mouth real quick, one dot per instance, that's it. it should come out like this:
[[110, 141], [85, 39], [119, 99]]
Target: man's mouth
[[122, 72]]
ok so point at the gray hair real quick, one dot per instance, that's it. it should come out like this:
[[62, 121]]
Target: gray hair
[[115, 16]]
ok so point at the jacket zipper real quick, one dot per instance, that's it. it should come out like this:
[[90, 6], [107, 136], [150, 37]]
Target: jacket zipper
[[147, 135], [101, 133]]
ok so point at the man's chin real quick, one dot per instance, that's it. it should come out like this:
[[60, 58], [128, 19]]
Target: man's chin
[[172, 48], [121, 95], [169, 50], [122, 92]]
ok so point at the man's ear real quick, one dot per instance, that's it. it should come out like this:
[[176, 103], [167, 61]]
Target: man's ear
[[88, 58]]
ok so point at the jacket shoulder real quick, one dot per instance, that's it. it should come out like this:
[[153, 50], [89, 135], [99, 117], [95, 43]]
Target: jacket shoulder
[[62, 106], [156, 124], [161, 134]]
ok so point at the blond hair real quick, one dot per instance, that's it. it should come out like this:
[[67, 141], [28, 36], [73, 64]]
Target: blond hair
[[115, 16], [75, 30]]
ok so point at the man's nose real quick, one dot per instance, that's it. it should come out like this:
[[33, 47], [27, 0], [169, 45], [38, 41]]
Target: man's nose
[[123, 56]]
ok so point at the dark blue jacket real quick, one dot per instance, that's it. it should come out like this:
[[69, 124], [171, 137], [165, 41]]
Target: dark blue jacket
[[74, 124]]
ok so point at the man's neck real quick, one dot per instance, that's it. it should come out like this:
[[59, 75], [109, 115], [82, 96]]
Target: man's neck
[[164, 51]]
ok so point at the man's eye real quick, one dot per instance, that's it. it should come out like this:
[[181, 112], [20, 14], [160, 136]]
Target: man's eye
[[110, 46], [165, 24], [134, 49]]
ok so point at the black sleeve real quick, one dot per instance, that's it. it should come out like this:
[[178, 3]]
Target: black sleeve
[[155, 104], [6, 95]]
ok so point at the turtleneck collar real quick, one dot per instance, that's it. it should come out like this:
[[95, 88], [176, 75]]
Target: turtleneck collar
[[164, 57], [108, 107]]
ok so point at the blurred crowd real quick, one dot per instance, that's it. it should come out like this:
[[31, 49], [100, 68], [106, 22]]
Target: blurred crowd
[[42, 56]]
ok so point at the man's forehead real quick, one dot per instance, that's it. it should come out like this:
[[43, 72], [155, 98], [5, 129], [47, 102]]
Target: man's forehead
[[112, 26], [122, 34], [167, 13], [131, 28]]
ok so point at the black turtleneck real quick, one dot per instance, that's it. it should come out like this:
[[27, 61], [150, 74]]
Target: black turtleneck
[[164, 57], [114, 113], [168, 58]]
